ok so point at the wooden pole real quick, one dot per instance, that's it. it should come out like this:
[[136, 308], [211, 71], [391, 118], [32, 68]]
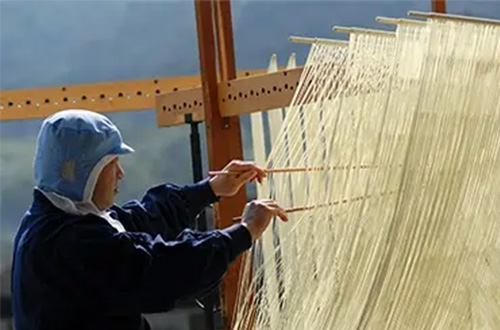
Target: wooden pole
[[225, 40], [227, 70], [223, 134], [439, 6]]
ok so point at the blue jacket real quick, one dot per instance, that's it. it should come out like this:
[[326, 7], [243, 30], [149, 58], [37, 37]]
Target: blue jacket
[[78, 272]]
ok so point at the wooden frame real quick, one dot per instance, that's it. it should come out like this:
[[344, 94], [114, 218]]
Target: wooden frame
[[118, 96], [236, 97]]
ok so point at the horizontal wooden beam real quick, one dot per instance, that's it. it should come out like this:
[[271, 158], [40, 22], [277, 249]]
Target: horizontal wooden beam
[[306, 40], [459, 18], [117, 96], [237, 97], [356, 30], [399, 21]]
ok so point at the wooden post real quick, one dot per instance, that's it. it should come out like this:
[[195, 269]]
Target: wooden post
[[225, 40], [439, 6], [223, 134]]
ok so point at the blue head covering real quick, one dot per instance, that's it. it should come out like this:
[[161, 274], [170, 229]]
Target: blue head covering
[[72, 148]]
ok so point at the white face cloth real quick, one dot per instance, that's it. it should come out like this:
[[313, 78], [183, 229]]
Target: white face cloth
[[86, 206]]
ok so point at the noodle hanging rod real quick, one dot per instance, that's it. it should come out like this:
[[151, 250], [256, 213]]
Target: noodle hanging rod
[[338, 202], [293, 169]]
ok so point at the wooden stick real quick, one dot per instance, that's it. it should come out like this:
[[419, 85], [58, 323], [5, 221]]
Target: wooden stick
[[305, 40], [468, 19], [399, 21], [271, 170], [310, 207], [344, 29], [293, 169]]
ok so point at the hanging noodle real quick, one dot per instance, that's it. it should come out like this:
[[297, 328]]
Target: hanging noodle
[[406, 232]]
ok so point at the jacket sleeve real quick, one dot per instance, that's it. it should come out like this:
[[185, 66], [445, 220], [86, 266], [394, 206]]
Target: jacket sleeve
[[136, 272], [166, 209]]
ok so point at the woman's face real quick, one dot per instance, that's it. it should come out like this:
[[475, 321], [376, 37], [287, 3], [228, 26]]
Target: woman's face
[[106, 187]]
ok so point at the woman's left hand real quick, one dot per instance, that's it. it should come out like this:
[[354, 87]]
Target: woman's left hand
[[226, 185]]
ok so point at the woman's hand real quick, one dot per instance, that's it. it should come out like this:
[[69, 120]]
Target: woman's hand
[[228, 185], [258, 214]]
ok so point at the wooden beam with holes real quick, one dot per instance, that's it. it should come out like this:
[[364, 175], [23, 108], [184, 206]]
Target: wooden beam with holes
[[236, 97], [102, 97]]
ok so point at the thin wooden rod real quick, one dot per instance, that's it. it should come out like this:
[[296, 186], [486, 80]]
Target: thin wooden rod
[[306, 40], [399, 21], [311, 207], [346, 29], [467, 19], [294, 169]]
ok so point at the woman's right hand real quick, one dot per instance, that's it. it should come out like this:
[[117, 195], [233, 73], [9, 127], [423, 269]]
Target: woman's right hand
[[258, 214]]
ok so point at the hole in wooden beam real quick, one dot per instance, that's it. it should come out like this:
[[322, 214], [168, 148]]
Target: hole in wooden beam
[[65, 99], [155, 81], [120, 94], [28, 102], [102, 96], [164, 108], [47, 101], [84, 98], [139, 93], [157, 91]]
